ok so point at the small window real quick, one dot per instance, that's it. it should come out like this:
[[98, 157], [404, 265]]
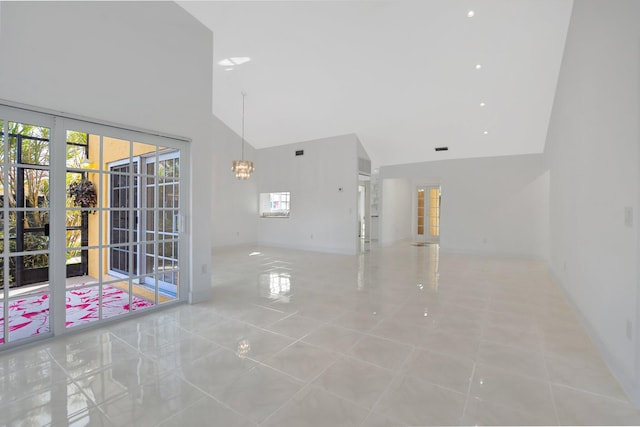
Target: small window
[[275, 205]]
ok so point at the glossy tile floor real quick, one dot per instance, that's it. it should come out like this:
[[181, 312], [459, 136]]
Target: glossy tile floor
[[398, 336]]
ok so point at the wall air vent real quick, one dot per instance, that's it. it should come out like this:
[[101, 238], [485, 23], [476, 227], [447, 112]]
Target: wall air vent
[[299, 152], [442, 148]]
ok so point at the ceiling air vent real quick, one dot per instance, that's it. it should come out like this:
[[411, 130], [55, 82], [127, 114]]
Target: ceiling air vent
[[299, 152], [442, 148]]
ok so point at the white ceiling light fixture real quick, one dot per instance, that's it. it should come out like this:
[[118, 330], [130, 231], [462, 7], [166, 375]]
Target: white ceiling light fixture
[[471, 14], [478, 66], [243, 168], [482, 104], [486, 132], [233, 61]]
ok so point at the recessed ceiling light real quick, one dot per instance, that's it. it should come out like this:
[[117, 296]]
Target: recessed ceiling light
[[239, 60], [470, 14], [486, 132], [478, 66], [482, 104]]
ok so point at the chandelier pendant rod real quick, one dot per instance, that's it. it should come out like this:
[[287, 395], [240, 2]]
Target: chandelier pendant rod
[[244, 94]]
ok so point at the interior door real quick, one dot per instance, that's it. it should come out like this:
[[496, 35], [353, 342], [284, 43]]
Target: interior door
[[427, 201]]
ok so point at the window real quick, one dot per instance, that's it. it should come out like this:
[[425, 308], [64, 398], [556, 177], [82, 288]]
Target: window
[[275, 205]]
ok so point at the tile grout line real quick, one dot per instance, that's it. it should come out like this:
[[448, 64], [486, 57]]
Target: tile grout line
[[550, 385], [468, 397], [399, 373], [300, 391], [82, 390], [207, 394]]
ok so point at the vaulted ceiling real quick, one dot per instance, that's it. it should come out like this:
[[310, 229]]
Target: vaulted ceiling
[[405, 76]]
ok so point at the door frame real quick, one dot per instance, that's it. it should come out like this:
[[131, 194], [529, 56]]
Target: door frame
[[133, 161], [144, 160], [425, 237], [59, 123], [363, 203], [12, 114]]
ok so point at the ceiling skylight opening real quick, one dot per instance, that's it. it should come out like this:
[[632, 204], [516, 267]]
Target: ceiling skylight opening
[[233, 61], [226, 63], [239, 60], [470, 14]]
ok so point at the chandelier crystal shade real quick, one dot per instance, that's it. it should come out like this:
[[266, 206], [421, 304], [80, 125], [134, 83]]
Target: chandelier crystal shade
[[242, 168]]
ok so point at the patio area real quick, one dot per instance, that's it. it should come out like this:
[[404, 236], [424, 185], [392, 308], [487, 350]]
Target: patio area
[[28, 313]]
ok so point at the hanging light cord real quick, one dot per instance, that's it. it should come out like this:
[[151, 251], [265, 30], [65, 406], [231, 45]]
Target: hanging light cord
[[243, 95]]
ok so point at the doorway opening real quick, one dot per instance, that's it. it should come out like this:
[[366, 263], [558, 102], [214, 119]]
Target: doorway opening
[[106, 241], [428, 202], [364, 215]]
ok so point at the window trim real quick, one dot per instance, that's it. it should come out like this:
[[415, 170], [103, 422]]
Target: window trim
[[270, 212]]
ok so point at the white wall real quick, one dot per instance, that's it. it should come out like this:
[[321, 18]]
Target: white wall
[[144, 65], [594, 156], [234, 210], [495, 205], [324, 191], [394, 219], [364, 162]]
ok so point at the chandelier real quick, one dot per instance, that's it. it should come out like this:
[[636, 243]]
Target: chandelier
[[242, 168]]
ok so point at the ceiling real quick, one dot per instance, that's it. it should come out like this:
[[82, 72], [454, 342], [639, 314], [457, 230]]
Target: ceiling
[[405, 76]]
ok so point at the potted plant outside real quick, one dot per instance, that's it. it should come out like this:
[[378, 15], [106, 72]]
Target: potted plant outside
[[83, 194]]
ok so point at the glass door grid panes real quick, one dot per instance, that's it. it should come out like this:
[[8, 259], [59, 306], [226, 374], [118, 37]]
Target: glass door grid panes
[[125, 268], [163, 224], [24, 220], [123, 192], [147, 222]]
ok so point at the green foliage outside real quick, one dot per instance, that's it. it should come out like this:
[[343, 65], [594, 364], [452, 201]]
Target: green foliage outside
[[35, 149]]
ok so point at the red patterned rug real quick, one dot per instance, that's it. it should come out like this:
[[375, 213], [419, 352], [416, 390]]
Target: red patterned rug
[[30, 315]]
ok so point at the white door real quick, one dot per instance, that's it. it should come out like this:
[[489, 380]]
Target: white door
[[162, 222]]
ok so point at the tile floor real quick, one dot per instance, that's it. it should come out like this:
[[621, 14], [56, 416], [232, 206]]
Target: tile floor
[[398, 336]]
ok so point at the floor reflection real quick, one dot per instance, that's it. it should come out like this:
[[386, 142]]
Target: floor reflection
[[275, 285], [401, 335]]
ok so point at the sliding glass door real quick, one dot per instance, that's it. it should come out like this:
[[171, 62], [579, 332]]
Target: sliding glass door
[[24, 225], [92, 237], [131, 225]]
